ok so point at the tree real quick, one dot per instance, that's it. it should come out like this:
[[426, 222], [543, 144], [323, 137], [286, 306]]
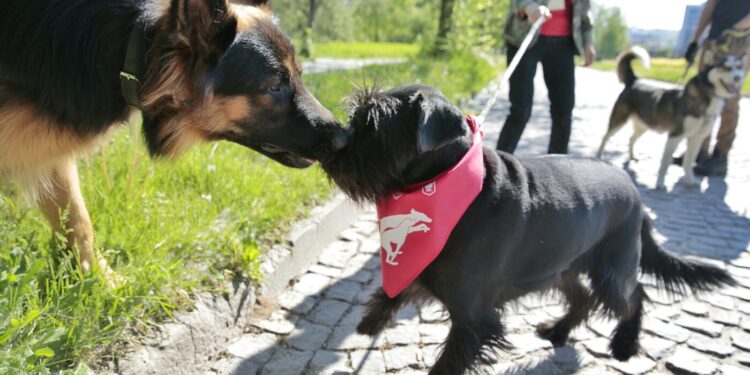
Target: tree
[[444, 26], [611, 32]]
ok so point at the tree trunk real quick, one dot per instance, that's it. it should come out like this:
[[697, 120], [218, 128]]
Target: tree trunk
[[314, 5], [444, 28]]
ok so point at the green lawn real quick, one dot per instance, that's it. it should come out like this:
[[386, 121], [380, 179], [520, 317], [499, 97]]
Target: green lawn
[[663, 69], [365, 50], [169, 229]]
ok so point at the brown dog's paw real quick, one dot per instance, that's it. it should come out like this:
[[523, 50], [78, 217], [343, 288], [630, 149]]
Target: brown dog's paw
[[549, 331]]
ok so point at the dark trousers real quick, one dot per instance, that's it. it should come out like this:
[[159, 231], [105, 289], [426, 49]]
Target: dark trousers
[[556, 55]]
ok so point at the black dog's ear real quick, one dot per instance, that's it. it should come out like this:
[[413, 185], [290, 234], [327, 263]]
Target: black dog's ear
[[439, 122], [207, 26]]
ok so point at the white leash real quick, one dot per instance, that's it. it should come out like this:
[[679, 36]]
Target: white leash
[[511, 68]]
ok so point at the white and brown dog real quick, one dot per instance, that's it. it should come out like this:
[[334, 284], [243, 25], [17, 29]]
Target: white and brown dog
[[684, 113]]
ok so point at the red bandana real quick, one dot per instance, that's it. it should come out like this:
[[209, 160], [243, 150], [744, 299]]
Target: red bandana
[[415, 224]]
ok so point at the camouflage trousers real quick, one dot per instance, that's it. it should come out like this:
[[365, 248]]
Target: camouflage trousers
[[734, 43]]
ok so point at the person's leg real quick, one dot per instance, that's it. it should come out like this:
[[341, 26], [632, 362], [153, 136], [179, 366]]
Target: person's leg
[[521, 100], [559, 75]]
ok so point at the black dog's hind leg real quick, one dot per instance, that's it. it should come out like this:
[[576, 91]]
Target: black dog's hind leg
[[472, 339], [380, 312], [624, 343], [580, 303]]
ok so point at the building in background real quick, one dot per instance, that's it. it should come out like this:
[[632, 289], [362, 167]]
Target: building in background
[[689, 24]]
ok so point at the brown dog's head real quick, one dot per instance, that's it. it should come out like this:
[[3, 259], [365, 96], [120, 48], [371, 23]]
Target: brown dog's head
[[226, 72]]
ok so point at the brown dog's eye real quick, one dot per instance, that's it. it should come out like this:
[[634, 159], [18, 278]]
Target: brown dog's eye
[[274, 88]]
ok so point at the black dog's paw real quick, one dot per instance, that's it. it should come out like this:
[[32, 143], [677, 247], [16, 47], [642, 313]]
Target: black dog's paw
[[624, 349], [551, 332], [371, 326]]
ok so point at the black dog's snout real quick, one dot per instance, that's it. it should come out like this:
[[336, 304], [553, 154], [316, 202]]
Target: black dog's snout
[[339, 138]]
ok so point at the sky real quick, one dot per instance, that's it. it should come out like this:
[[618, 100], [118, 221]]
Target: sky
[[652, 14]]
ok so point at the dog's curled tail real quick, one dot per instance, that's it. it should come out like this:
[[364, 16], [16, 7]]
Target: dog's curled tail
[[625, 60], [674, 273]]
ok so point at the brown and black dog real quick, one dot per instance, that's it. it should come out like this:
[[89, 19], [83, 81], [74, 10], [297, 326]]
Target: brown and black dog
[[198, 70]]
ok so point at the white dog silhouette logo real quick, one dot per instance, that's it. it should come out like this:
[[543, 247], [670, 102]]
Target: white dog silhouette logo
[[394, 230]]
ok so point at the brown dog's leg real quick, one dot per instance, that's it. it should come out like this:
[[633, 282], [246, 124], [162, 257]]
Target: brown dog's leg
[[60, 192]]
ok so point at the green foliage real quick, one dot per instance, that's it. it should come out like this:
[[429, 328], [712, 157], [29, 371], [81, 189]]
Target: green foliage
[[169, 229], [478, 24], [610, 32], [365, 50]]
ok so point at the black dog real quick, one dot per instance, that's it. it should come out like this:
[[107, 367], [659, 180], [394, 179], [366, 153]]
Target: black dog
[[538, 223]]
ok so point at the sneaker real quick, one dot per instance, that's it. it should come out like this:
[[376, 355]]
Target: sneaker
[[716, 166]]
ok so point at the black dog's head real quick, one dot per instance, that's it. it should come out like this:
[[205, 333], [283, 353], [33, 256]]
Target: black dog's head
[[220, 71], [398, 137]]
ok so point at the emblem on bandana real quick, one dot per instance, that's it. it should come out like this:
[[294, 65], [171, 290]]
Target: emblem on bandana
[[430, 189], [395, 229]]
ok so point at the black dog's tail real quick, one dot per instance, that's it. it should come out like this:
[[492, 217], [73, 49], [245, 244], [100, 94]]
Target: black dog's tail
[[674, 273], [625, 64]]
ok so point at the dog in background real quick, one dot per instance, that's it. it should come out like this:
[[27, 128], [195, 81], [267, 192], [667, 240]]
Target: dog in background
[[538, 223], [685, 113], [211, 71]]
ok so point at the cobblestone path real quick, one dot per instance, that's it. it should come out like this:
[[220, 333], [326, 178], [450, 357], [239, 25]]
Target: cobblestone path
[[312, 328]]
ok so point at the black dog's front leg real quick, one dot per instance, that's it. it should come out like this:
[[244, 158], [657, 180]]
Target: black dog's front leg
[[471, 341], [380, 312]]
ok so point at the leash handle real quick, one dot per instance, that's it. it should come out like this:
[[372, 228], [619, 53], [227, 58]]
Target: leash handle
[[511, 68]]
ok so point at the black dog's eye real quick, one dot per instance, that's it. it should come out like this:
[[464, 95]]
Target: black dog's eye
[[275, 88]]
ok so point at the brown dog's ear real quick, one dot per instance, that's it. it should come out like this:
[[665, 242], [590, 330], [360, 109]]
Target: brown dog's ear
[[439, 122], [206, 25]]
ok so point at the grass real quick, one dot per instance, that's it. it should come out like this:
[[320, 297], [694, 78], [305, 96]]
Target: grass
[[169, 229], [663, 69], [365, 50]]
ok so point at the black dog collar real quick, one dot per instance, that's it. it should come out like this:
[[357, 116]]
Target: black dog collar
[[134, 67]]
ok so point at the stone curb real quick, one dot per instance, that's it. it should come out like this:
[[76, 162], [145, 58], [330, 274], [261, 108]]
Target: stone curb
[[189, 342]]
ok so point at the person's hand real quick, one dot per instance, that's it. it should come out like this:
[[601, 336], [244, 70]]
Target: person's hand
[[691, 51], [535, 11], [589, 54]]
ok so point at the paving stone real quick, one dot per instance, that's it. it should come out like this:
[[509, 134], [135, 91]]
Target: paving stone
[[686, 361], [350, 235], [739, 273], [665, 313], [430, 354], [713, 347], [308, 336], [570, 359], [369, 246], [311, 284], [582, 333], [402, 357], [741, 293], [733, 370], [634, 366], [328, 312], [279, 322], [337, 254], [718, 300], [256, 347], [433, 313], [345, 338], [598, 347], [727, 318], [287, 361], [741, 262], [744, 308], [656, 347], [402, 335], [344, 290], [408, 314], [297, 302], [527, 342], [666, 330], [603, 327], [700, 325], [741, 340], [325, 270], [326, 362], [365, 295], [695, 308], [367, 362], [745, 324], [743, 359], [433, 333], [536, 316]]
